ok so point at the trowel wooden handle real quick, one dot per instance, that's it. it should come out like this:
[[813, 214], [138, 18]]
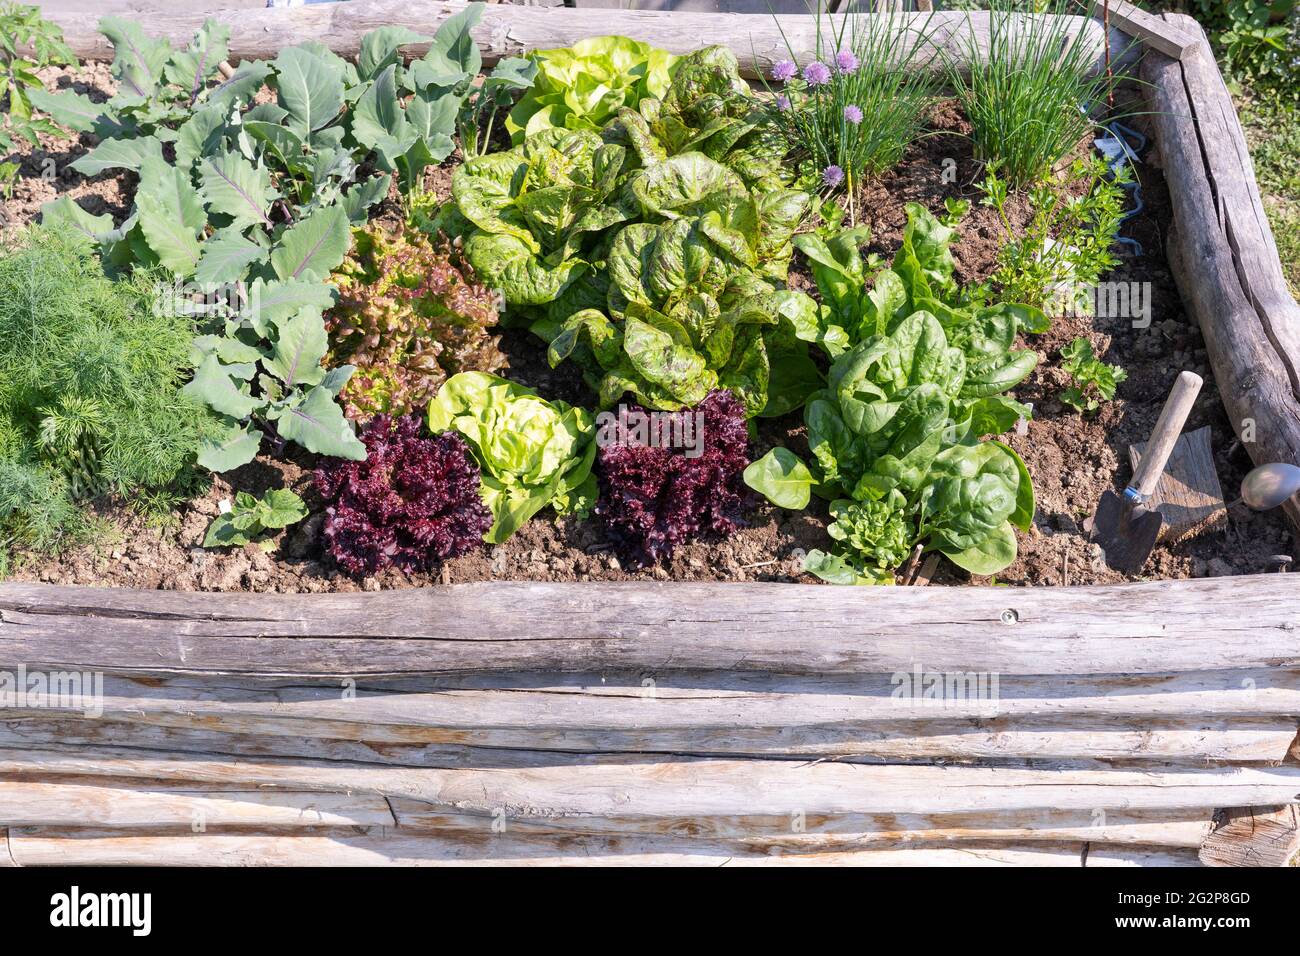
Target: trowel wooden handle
[[1163, 437]]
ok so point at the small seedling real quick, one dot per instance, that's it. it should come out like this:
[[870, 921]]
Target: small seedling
[[1094, 380], [250, 516]]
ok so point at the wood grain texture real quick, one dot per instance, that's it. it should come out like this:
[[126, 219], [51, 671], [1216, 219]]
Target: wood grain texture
[[1168, 38], [1188, 495], [1161, 627], [6, 858], [76, 805], [510, 30], [34, 847], [1223, 255], [759, 794], [1253, 836]]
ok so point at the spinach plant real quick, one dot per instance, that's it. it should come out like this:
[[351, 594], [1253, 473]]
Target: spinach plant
[[918, 380]]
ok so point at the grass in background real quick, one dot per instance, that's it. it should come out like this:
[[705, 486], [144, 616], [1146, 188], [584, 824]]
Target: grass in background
[[1273, 134], [1029, 99], [853, 112]]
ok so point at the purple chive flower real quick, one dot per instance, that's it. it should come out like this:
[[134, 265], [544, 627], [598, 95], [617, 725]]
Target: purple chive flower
[[784, 70], [783, 102], [845, 61], [817, 73], [853, 115], [832, 176]]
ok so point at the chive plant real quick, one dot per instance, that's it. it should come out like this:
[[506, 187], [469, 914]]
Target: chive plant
[[1031, 94], [850, 113]]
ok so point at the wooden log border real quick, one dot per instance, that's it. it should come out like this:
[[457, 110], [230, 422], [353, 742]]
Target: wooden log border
[[691, 724]]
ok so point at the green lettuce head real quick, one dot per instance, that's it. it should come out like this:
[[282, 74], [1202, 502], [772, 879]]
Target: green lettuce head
[[533, 453], [585, 85]]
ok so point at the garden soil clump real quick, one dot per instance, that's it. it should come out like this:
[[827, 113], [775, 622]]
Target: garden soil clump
[[1072, 458]]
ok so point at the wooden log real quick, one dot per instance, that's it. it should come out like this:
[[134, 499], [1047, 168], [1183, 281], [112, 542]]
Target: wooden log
[[1184, 829], [72, 805], [1224, 258], [1161, 627], [1176, 828], [1253, 836], [762, 794], [1167, 740], [1156, 33], [403, 709], [508, 30], [1188, 495], [37, 847]]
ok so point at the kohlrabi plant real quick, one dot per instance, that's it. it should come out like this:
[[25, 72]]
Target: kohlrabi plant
[[533, 452], [585, 85], [919, 379], [261, 199], [653, 253]]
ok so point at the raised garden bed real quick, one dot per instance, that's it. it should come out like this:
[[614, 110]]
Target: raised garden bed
[[1157, 694]]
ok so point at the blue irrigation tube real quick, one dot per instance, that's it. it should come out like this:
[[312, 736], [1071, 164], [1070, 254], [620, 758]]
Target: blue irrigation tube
[[1116, 159]]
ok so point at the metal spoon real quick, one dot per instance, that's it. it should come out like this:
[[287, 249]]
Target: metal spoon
[[1270, 485]]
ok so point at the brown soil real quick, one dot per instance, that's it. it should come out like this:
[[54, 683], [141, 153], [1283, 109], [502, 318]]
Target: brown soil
[[1072, 458]]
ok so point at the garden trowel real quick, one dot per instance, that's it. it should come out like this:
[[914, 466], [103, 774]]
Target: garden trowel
[[1124, 525]]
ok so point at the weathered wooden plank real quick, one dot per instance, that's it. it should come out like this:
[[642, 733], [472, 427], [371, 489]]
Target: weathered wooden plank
[[74, 805], [1224, 259], [1237, 202], [1159, 627], [1156, 33], [1168, 740], [1185, 829], [1188, 495], [758, 793], [510, 30], [37, 847], [1253, 836], [397, 709], [6, 858]]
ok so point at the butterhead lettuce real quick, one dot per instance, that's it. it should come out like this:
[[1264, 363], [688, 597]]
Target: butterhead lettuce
[[532, 452]]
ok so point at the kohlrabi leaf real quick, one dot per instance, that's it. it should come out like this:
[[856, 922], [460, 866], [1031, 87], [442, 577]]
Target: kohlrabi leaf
[[319, 426], [235, 187], [300, 345], [213, 384], [190, 69], [238, 445], [226, 256], [138, 60], [118, 154], [382, 47], [313, 247], [310, 90]]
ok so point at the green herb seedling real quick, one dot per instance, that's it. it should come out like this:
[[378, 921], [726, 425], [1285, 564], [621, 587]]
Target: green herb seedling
[[250, 516], [1093, 378]]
